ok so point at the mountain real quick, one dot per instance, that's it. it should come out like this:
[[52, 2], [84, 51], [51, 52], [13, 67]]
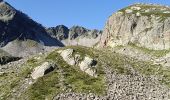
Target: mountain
[[124, 62], [59, 32], [76, 35], [145, 25], [19, 33]]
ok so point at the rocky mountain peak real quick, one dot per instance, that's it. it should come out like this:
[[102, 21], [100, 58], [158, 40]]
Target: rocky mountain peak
[[59, 32], [7, 12], [76, 31], [19, 33]]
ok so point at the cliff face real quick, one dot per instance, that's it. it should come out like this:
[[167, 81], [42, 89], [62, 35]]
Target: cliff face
[[142, 24]]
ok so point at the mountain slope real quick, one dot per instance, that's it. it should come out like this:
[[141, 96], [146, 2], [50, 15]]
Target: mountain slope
[[15, 25], [118, 77]]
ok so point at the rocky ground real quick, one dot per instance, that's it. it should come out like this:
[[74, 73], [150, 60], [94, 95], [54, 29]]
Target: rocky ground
[[123, 80]]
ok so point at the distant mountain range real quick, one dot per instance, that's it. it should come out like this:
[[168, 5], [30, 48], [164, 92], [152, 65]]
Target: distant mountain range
[[21, 36]]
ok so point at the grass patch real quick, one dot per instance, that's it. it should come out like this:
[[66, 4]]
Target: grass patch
[[75, 79], [154, 10], [65, 77], [118, 62], [13, 79], [114, 60], [71, 78], [156, 53], [148, 69], [45, 88]]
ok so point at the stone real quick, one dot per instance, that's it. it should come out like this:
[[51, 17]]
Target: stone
[[136, 8], [166, 12], [138, 14], [88, 65], [67, 55], [129, 11], [43, 69]]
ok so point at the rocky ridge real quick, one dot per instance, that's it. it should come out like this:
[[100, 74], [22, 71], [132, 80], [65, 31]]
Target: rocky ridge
[[20, 34], [76, 35], [145, 25]]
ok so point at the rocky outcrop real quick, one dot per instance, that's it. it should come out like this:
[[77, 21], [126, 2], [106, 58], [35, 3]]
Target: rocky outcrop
[[76, 35], [88, 65], [7, 59], [68, 56], [145, 25], [43, 69]]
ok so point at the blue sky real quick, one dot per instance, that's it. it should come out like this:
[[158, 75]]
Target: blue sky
[[91, 14]]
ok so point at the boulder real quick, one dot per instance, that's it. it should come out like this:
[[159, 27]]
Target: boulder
[[43, 69], [88, 65], [67, 55]]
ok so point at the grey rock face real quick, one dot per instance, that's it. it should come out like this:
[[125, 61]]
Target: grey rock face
[[76, 35], [146, 26], [60, 32], [76, 31]]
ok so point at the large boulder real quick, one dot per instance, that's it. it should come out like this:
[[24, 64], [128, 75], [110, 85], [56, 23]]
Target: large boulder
[[7, 59], [88, 65], [67, 55], [43, 69]]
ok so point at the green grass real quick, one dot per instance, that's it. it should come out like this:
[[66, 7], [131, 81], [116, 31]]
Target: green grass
[[156, 53], [14, 78], [73, 78], [77, 80], [9, 82], [45, 88], [157, 12], [118, 62], [146, 68], [114, 61], [65, 77]]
